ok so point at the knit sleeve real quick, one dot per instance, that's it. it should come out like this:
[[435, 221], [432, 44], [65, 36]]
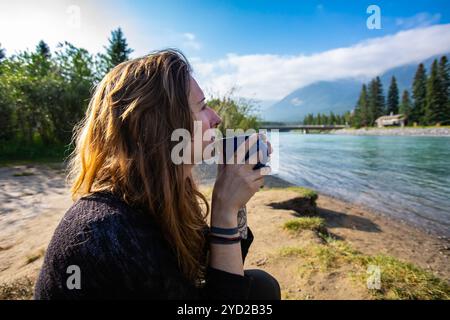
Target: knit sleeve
[[119, 256], [222, 285], [112, 260], [122, 255]]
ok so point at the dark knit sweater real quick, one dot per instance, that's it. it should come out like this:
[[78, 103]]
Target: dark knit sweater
[[121, 253]]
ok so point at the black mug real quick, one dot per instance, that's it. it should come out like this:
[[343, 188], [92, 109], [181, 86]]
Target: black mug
[[229, 146]]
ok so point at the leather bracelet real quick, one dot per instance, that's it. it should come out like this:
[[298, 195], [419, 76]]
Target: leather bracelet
[[223, 240], [225, 231]]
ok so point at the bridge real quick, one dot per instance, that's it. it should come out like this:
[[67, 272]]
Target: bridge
[[305, 128]]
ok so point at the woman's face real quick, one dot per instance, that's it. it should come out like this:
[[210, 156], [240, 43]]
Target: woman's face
[[208, 117]]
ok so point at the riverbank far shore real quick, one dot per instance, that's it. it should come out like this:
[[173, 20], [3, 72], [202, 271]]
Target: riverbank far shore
[[396, 131], [325, 256]]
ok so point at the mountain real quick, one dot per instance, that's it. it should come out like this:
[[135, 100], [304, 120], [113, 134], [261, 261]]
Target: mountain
[[323, 96], [337, 96]]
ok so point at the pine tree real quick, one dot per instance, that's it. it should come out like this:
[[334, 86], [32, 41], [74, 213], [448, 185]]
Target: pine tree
[[381, 103], [306, 120], [2, 53], [371, 102], [346, 118], [41, 60], [43, 49], [117, 51], [332, 118], [419, 93], [337, 119], [405, 106], [361, 116], [392, 101], [435, 107], [444, 74], [376, 101]]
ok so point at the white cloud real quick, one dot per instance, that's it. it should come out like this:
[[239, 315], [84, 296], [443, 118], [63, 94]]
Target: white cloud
[[296, 101], [259, 76], [190, 41], [189, 36], [422, 19], [86, 24], [269, 76]]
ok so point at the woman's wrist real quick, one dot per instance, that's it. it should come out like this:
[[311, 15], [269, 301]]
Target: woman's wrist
[[224, 219], [223, 215], [225, 255], [223, 223]]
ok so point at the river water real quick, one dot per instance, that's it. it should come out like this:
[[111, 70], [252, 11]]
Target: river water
[[407, 178]]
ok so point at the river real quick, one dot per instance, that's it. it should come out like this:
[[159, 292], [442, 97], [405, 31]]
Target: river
[[407, 178]]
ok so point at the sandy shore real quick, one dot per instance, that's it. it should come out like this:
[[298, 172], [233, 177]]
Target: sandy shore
[[34, 199]]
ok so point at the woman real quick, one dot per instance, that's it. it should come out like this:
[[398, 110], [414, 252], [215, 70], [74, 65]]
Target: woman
[[138, 226]]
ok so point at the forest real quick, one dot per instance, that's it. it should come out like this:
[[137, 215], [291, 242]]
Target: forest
[[44, 94]]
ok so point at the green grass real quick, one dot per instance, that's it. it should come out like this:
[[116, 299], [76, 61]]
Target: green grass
[[291, 251], [305, 192], [399, 279], [302, 191], [323, 257], [23, 174], [18, 152], [403, 280], [35, 255], [305, 223]]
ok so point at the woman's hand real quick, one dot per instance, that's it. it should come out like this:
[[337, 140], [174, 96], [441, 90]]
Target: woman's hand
[[235, 185]]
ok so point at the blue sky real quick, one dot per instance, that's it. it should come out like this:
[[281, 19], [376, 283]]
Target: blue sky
[[283, 27], [264, 48]]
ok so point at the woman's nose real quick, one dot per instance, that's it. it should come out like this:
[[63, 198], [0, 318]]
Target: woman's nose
[[215, 119]]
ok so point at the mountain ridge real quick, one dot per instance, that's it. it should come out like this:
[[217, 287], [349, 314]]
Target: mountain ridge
[[336, 96]]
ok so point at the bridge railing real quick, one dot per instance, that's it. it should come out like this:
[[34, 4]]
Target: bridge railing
[[301, 126]]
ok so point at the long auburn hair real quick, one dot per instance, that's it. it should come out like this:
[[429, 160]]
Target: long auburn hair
[[123, 145]]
